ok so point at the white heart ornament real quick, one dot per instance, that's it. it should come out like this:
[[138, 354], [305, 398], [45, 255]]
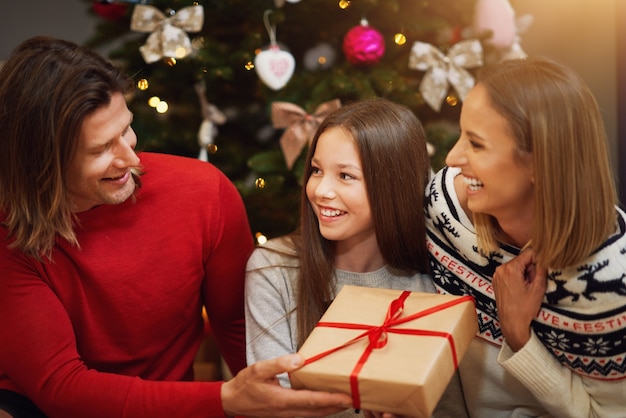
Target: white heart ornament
[[274, 67]]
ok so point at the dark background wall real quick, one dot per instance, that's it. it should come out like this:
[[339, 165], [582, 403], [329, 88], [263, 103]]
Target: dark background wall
[[21, 19]]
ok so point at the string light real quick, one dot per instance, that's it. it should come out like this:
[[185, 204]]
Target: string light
[[158, 104], [180, 52], [260, 238], [260, 183], [162, 107], [344, 4], [452, 100], [249, 65], [154, 101], [399, 38], [142, 84]]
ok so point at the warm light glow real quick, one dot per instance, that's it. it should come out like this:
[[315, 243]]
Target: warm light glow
[[399, 38], [249, 65], [260, 238], [321, 60], [162, 107], [142, 84], [452, 100], [171, 61], [211, 148], [180, 52], [344, 4], [154, 101], [260, 183]]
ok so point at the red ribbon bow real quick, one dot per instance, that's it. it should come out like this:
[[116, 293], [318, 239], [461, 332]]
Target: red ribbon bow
[[299, 126], [377, 335]]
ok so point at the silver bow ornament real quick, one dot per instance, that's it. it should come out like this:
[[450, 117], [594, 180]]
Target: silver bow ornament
[[443, 70], [299, 126], [168, 37]]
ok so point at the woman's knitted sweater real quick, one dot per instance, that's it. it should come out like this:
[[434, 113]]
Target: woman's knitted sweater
[[575, 363]]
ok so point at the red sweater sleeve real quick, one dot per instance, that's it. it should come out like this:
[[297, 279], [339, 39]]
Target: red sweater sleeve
[[224, 289]]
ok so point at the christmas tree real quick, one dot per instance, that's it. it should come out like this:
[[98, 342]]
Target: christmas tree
[[342, 50]]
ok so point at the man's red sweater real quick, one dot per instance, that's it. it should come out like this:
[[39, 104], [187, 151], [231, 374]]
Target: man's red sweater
[[111, 329]]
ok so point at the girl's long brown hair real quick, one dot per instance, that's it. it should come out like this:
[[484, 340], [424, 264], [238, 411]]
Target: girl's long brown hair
[[392, 148]]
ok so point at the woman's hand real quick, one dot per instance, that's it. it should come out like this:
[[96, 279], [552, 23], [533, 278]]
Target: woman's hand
[[519, 286]]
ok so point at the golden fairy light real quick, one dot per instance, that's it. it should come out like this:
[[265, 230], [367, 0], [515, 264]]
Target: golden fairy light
[[399, 38], [211, 148], [171, 61], [260, 238], [142, 84], [452, 100], [260, 183], [180, 52], [249, 65], [344, 4], [154, 101], [162, 107]]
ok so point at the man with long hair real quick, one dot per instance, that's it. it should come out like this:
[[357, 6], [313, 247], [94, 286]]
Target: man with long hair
[[108, 257]]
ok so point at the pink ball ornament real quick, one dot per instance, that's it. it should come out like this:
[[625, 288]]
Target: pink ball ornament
[[363, 45]]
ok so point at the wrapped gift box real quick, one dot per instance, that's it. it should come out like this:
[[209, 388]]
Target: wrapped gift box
[[392, 351]]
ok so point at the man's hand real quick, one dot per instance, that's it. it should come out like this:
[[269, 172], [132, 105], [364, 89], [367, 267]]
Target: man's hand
[[255, 391]]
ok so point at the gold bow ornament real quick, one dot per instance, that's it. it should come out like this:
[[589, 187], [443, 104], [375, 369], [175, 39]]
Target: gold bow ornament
[[299, 126], [168, 37], [443, 70]]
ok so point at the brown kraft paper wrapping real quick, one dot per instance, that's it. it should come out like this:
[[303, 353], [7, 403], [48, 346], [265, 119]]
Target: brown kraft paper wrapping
[[392, 351]]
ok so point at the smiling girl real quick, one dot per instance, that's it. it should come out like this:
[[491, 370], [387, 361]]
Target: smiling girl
[[364, 175]]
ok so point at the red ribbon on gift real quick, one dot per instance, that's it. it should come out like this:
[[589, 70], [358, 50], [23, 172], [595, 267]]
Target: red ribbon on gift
[[377, 335]]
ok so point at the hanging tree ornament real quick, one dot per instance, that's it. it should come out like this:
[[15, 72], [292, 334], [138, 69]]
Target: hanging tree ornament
[[273, 65], [299, 126], [442, 70], [168, 37], [211, 116], [363, 45]]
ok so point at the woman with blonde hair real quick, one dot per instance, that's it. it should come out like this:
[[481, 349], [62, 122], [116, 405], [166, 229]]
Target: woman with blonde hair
[[525, 219]]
